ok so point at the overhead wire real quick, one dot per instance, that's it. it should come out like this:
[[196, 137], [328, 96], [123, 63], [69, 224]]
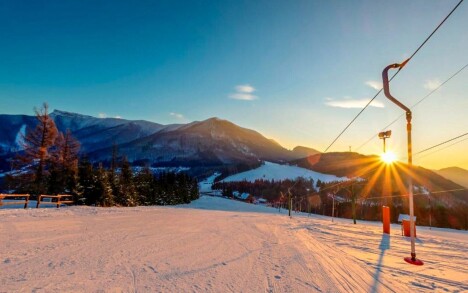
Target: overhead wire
[[412, 55], [436, 151], [422, 193], [442, 143]]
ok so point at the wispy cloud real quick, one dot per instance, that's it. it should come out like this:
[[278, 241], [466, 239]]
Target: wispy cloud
[[377, 85], [349, 103], [245, 88], [177, 115], [118, 117], [244, 97], [432, 84], [244, 92], [102, 115]]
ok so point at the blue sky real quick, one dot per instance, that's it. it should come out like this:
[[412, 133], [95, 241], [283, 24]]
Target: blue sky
[[288, 69]]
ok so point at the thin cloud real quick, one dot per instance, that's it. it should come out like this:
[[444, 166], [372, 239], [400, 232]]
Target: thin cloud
[[432, 84], [376, 85], [118, 117], [243, 97], [349, 103], [244, 93], [102, 115], [245, 88], [177, 115]]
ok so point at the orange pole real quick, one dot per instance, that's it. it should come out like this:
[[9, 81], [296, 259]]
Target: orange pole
[[386, 219]]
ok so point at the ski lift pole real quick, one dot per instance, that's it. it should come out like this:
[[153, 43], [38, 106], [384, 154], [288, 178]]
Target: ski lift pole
[[386, 88], [333, 206], [430, 211]]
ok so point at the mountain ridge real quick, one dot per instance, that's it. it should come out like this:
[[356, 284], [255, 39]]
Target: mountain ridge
[[212, 141], [455, 174]]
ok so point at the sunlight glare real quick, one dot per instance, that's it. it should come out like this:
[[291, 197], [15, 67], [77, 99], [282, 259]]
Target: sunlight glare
[[388, 157]]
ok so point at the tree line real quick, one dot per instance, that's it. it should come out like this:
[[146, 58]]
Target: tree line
[[353, 200], [271, 190], [49, 163]]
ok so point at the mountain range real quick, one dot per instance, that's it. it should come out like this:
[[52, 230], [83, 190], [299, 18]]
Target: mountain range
[[353, 165], [211, 142], [456, 174]]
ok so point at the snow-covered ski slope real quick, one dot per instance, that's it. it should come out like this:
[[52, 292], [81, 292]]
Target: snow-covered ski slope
[[218, 245], [272, 171]]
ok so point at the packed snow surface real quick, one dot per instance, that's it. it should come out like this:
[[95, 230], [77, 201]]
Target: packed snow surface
[[272, 171], [218, 245], [205, 185]]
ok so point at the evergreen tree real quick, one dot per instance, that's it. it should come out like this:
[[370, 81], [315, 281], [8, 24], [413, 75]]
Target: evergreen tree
[[113, 178], [102, 189], [183, 188], [127, 192], [145, 187], [194, 190], [86, 181]]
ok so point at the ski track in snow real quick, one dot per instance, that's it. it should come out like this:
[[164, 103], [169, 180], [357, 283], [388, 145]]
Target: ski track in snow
[[218, 245]]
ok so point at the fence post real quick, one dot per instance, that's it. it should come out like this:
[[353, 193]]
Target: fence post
[[26, 201], [38, 201]]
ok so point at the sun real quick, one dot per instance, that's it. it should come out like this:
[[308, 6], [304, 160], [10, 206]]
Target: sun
[[388, 157]]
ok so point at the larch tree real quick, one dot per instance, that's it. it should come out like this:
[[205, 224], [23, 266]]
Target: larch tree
[[36, 145], [64, 165]]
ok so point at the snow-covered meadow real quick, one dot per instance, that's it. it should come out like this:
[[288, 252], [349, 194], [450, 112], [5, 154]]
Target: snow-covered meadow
[[218, 245], [273, 171]]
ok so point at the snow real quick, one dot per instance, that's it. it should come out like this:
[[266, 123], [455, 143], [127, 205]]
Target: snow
[[23, 170], [19, 140], [218, 245], [157, 170], [272, 171], [205, 185]]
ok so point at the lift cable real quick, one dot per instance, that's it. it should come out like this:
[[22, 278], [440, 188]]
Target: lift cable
[[405, 195], [439, 144], [436, 151]]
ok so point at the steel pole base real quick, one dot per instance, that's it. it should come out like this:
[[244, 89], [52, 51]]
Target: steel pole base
[[414, 261]]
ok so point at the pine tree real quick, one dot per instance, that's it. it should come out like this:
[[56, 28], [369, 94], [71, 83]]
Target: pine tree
[[86, 181], [127, 192], [113, 178], [194, 191], [183, 188], [145, 187], [102, 189]]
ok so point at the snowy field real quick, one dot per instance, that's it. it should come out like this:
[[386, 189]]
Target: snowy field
[[218, 245], [205, 185], [272, 171]]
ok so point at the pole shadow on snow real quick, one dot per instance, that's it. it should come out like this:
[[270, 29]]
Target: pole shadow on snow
[[384, 245]]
